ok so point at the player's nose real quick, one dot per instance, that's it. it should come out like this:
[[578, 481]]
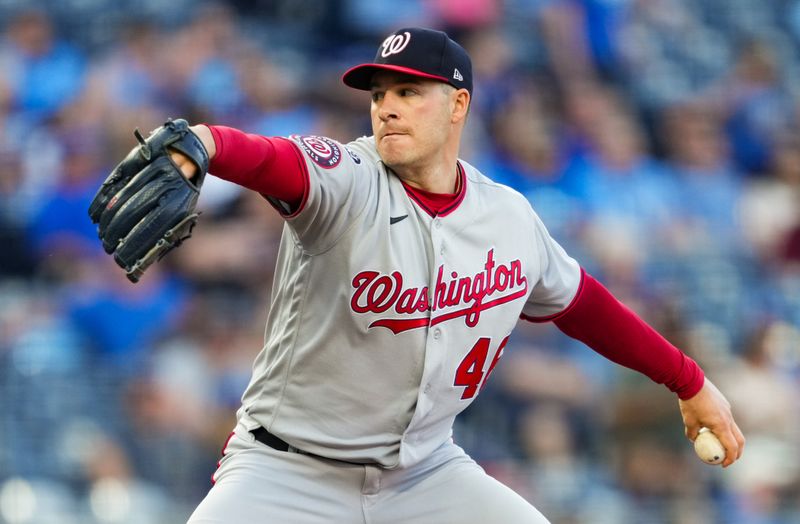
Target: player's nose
[[387, 109]]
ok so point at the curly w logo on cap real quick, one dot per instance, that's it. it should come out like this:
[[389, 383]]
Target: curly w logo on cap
[[394, 44], [416, 51]]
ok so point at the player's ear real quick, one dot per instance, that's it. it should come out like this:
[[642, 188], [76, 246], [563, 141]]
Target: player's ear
[[460, 104]]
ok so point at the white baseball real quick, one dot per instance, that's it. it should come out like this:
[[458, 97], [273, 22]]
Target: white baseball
[[708, 447]]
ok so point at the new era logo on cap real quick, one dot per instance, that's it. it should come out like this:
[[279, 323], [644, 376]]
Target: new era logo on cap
[[420, 52]]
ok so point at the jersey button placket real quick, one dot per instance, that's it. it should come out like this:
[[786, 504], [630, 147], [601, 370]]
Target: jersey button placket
[[437, 239], [436, 336]]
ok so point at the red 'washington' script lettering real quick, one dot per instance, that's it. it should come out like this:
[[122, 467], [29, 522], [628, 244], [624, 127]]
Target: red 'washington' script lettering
[[379, 293]]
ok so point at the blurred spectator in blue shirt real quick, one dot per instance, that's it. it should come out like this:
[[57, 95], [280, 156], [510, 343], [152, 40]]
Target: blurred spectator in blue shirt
[[204, 62], [586, 104], [494, 65], [630, 200], [60, 229], [754, 104], [709, 187], [130, 75], [96, 302], [529, 156], [43, 73], [582, 37]]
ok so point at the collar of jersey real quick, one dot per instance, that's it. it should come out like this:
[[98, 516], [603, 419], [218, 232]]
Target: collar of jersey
[[439, 204]]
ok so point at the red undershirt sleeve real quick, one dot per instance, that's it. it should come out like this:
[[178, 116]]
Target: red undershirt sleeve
[[271, 166], [606, 325]]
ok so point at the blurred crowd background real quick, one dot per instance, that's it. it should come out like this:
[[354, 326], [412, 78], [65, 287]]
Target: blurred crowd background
[[658, 139]]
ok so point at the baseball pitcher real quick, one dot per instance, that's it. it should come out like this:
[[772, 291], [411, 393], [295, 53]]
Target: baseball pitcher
[[402, 271]]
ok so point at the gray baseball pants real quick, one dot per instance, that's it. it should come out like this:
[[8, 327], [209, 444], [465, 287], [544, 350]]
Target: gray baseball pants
[[256, 484]]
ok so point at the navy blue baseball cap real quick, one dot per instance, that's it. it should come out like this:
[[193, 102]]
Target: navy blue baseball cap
[[416, 51]]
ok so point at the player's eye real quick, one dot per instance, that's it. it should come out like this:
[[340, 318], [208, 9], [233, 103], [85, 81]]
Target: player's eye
[[407, 92], [376, 96]]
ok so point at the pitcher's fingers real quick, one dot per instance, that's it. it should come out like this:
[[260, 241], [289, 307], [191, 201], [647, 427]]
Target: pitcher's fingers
[[737, 433], [731, 445], [183, 163]]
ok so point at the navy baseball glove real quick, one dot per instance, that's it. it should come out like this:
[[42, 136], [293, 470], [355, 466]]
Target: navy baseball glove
[[146, 207]]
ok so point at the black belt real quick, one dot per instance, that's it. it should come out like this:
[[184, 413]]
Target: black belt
[[265, 437], [276, 443]]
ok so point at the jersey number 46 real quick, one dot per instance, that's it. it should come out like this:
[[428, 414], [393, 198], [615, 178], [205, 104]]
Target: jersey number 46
[[470, 373]]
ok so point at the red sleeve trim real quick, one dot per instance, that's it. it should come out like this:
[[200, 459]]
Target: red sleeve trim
[[610, 328], [219, 143], [273, 167], [561, 313], [302, 168]]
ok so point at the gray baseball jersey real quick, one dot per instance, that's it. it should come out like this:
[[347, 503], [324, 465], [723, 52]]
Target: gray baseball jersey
[[386, 319]]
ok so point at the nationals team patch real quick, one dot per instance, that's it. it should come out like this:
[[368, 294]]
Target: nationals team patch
[[322, 150]]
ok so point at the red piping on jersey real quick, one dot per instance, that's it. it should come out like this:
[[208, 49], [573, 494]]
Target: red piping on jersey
[[415, 198], [427, 205], [222, 455], [564, 311]]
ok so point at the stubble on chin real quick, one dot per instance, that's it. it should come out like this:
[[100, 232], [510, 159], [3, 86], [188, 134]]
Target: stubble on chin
[[390, 157]]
